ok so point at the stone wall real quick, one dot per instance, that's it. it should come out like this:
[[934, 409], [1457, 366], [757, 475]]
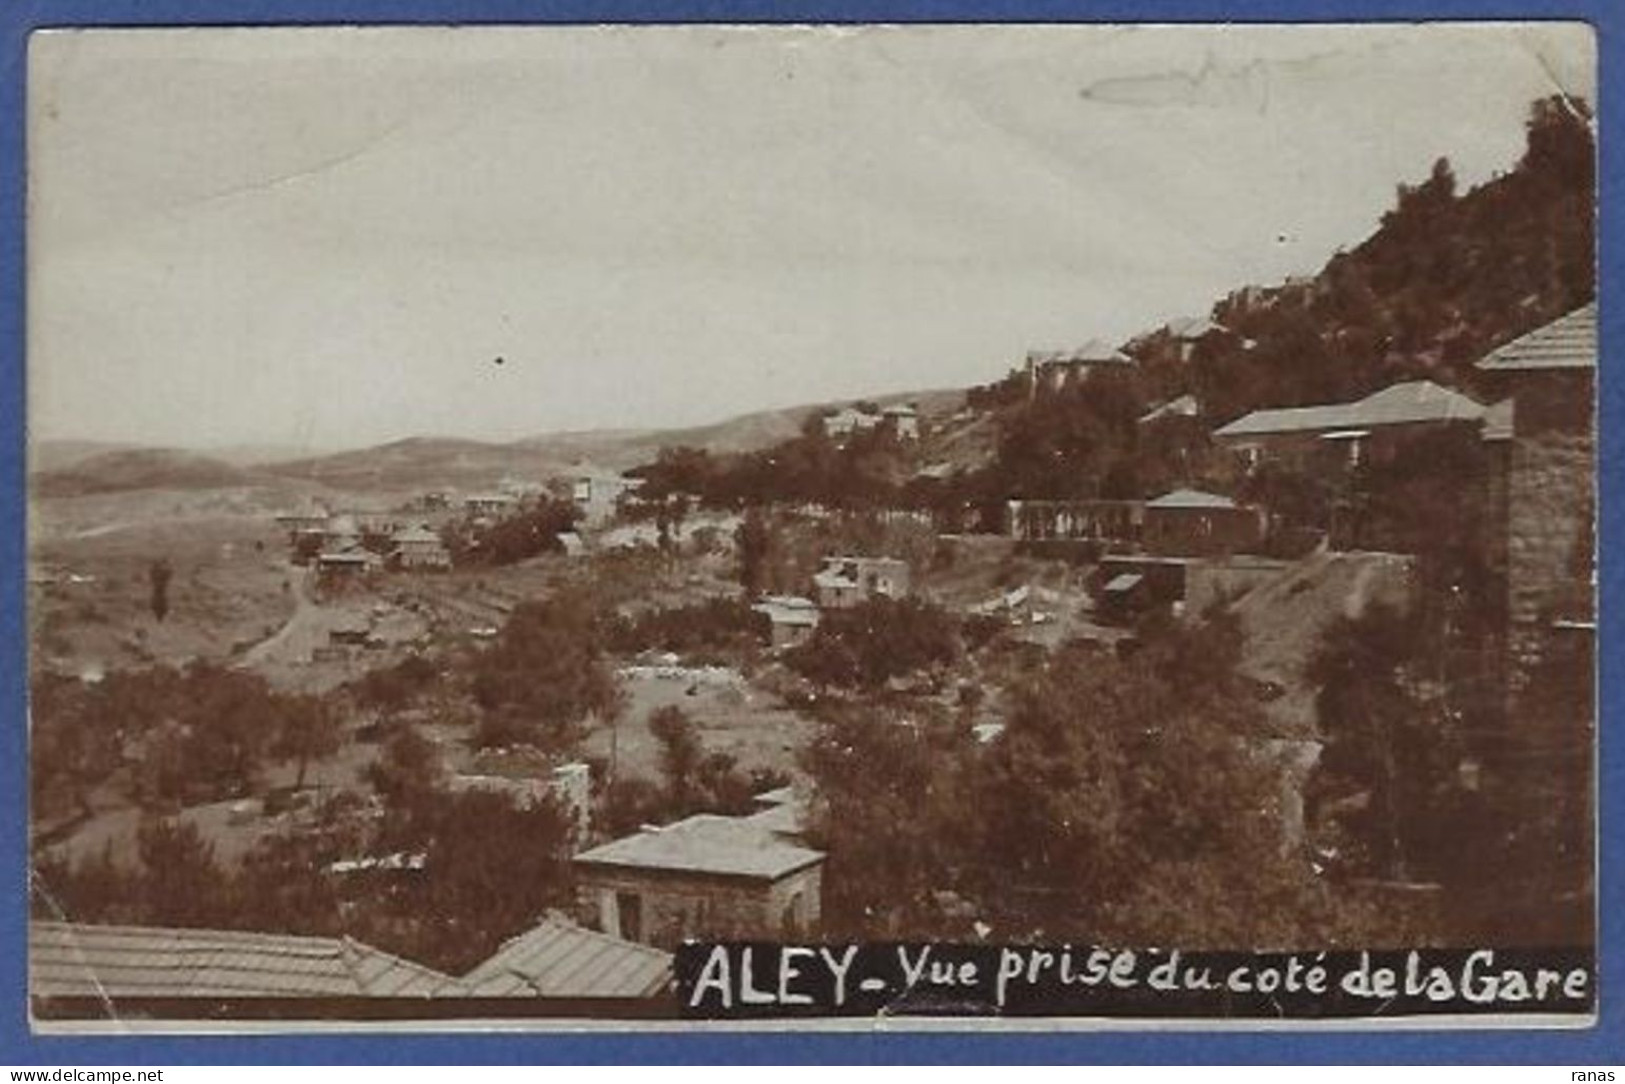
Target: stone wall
[[1551, 503], [674, 906]]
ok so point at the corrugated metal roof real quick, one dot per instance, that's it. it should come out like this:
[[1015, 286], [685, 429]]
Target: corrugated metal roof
[[706, 843], [1399, 404], [560, 959], [1569, 342], [125, 962], [1191, 498]]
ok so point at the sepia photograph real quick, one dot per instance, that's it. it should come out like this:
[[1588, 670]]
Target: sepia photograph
[[645, 526]]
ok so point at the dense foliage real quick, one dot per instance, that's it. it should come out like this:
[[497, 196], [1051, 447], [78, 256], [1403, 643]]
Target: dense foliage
[[1129, 800], [545, 674]]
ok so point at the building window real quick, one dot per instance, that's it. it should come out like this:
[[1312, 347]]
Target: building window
[[629, 907]]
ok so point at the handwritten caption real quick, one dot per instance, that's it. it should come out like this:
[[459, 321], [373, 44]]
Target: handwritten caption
[[759, 979]]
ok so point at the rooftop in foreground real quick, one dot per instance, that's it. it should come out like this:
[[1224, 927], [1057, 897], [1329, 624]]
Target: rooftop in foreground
[[560, 959], [113, 963]]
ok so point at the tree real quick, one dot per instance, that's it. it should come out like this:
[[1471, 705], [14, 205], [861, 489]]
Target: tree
[[1382, 711], [865, 646], [1129, 800], [476, 889], [545, 674], [755, 541], [680, 752], [158, 576], [180, 884], [308, 733], [892, 796]]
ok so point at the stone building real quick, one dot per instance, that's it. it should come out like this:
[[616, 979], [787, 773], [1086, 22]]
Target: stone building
[[850, 581], [1548, 490], [707, 876]]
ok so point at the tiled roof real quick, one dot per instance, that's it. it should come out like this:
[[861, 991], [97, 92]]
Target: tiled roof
[[126, 962], [1190, 498], [559, 959], [1093, 352], [1399, 404], [1193, 327], [1569, 342], [708, 844], [419, 533]]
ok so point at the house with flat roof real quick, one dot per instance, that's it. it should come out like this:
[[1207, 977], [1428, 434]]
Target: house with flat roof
[[706, 876]]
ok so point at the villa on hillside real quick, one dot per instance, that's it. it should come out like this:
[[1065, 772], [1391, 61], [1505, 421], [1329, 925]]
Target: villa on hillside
[[1057, 368], [1348, 433], [418, 548]]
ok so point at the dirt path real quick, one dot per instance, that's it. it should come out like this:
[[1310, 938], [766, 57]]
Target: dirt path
[[295, 635]]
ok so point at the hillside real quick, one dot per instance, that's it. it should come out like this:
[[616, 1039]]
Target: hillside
[[1446, 278], [138, 468]]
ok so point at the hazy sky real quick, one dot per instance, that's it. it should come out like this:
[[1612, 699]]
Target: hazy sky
[[326, 237]]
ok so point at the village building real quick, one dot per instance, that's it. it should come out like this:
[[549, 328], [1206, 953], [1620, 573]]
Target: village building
[[346, 562], [707, 876], [1058, 368], [1546, 496], [418, 548], [850, 420], [1339, 435], [792, 620], [375, 521], [1551, 375], [1190, 523], [340, 530], [350, 630], [1127, 586], [902, 421], [559, 959], [78, 969], [1108, 522], [1187, 333], [490, 505], [851, 581], [298, 522]]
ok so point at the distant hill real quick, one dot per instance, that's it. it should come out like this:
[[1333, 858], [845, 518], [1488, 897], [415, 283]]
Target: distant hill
[[451, 463], [52, 455], [138, 468]]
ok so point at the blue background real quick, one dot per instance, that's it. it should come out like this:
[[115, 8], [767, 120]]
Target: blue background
[[1603, 1044]]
